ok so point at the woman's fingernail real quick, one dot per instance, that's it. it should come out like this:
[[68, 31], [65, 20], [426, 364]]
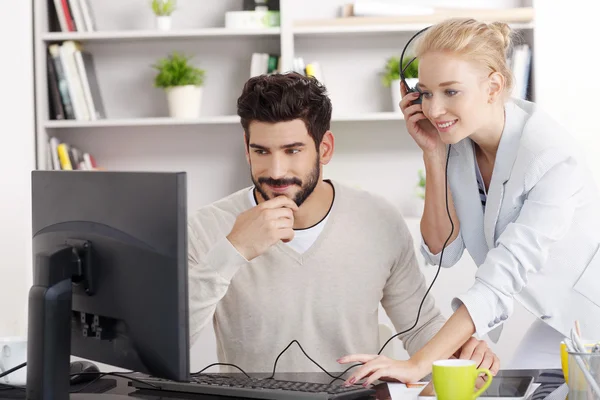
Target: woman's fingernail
[[364, 384], [352, 380]]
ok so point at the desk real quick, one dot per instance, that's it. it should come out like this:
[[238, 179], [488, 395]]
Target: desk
[[123, 387]]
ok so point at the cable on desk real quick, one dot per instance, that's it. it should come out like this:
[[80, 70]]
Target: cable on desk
[[10, 371], [224, 364]]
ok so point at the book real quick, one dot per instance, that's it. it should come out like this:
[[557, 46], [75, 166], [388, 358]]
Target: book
[[63, 86], [66, 157], [67, 56], [54, 99], [88, 16], [89, 83], [77, 16], [264, 64], [520, 63]]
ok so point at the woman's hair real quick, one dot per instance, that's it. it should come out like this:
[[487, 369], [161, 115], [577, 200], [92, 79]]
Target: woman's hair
[[478, 41]]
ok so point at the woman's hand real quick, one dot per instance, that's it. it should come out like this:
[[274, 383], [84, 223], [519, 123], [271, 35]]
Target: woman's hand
[[420, 128], [383, 368]]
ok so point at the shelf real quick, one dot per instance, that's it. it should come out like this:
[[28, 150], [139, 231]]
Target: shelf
[[135, 122], [216, 120], [339, 30], [376, 116], [103, 36], [518, 18]]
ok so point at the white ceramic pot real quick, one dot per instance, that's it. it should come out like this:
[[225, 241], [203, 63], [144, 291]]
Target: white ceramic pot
[[163, 22], [184, 101], [395, 90]]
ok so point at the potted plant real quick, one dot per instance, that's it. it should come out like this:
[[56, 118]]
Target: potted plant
[[421, 185], [182, 83], [420, 192], [391, 77], [163, 10]]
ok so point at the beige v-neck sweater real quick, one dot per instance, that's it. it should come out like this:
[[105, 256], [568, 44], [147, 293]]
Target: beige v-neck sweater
[[326, 298]]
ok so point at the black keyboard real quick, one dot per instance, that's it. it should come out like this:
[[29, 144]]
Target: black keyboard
[[254, 388]]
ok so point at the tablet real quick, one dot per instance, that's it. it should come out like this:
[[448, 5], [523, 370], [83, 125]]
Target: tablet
[[502, 387]]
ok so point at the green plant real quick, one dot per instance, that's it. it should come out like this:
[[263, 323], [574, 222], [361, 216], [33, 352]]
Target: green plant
[[175, 70], [163, 8], [421, 185], [392, 69]]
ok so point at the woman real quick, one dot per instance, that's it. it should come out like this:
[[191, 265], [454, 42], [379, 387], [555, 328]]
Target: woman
[[522, 202]]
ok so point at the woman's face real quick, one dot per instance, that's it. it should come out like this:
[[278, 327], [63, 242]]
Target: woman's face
[[456, 94]]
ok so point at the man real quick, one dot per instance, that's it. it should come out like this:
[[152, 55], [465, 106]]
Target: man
[[297, 257]]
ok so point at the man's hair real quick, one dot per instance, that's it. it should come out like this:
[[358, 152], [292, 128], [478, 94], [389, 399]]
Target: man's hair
[[286, 97]]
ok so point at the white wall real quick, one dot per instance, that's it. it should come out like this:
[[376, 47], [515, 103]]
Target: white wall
[[16, 163], [567, 69]]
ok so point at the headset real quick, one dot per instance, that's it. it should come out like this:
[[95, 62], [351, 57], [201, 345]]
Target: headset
[[402, 70]]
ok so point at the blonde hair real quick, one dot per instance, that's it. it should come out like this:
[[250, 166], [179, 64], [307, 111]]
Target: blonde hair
[[487, 43]]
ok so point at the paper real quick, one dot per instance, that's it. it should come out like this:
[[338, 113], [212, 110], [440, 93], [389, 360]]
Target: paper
[[399, 391]]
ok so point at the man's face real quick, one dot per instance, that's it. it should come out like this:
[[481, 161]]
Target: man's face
[[283, 160]]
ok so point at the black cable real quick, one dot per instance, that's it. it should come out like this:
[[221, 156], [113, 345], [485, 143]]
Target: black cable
[[434, 278], [225, 364], [441, 256], [307, 356], [393, 336], [10, 371]]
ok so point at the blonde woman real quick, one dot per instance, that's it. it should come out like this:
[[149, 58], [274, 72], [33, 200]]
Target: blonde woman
[[521, 200]]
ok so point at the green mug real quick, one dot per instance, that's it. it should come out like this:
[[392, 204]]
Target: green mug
[[455, 379]]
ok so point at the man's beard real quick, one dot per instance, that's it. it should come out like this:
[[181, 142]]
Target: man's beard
[[306, 188]]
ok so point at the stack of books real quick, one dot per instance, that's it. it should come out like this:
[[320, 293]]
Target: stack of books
[[74, 15], [520, 64], [311, 69], [72, 83], [264, 64], [65, 157]]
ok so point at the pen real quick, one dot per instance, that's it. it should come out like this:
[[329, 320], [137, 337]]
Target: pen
[[586, 372]]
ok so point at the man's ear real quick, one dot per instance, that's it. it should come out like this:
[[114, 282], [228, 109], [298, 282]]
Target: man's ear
[[496, 86], [326, 147]]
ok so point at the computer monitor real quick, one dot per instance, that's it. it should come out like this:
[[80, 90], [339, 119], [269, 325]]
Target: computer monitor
[[110, 276]]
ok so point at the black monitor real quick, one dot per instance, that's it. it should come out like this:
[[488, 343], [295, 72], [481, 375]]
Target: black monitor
[[110, 276]]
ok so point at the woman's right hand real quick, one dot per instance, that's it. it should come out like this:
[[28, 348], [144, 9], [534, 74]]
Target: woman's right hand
[[420, 128]]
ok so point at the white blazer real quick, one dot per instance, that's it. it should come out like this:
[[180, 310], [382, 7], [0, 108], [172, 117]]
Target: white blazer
[[538, 239]]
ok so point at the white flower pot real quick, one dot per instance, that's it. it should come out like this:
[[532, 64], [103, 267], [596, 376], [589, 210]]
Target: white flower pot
[[396, 95], [163, 22], [184, 101]]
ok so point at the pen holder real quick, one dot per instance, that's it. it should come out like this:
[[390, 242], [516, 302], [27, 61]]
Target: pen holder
[[584, 376]]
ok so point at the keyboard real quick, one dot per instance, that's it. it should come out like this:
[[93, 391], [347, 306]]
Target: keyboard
[[255, 388]]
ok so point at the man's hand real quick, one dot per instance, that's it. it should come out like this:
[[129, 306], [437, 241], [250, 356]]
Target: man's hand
[[260, 227], [478, 351]]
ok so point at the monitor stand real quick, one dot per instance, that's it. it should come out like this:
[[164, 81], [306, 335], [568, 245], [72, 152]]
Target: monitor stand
[[49, 325]]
